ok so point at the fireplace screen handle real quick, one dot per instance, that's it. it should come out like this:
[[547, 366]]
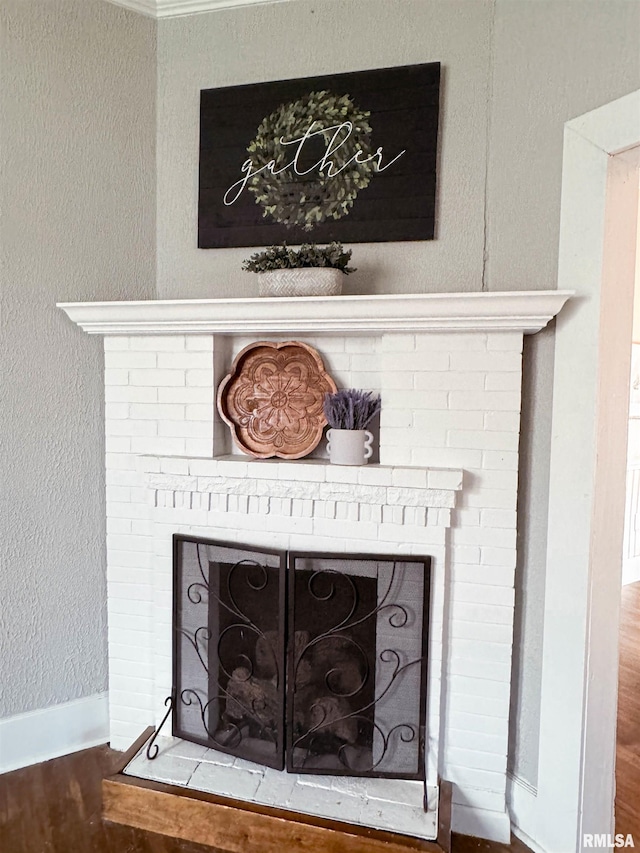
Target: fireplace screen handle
[[152, 747]]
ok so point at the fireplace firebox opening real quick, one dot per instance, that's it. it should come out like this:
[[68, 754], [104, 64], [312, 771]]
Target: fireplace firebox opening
[[313, 663]]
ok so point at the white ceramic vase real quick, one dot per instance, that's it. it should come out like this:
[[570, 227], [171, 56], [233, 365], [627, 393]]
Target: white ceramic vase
[[349, 446]]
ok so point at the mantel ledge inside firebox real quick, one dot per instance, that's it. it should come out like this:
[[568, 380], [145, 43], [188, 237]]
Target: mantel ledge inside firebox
[[513, 311]]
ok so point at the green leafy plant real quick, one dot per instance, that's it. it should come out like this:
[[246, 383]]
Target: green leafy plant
[[308, 255]]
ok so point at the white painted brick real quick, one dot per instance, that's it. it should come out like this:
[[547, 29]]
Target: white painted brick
[[468, 611], [488, 362], [449, 381], [470, 722], [116, 376], [129, 360], [500, 460], [342, 474], [367, 380], [191, 396], [483, 650], [433, 400], [119, 525], [159, 343], [374, 475], [116, 411], [123, 461], [503, 381], [484, 440], [444, 479], [476, 778], [448, 420], [446, 457], [415, 438], [160, 444], [174, 466], [467, 517], [481, 741], [156, 411], [407, 362], [116, 342], [503, 401], [396, 418], [130, 394], [199, 377], [474, 759], [414, 478], [185, 361], [395, 455], [505, 341], [118, 493], [499, 537], [203, 467], [127, 543], [490, 499], [451, 341], [394, 342], [398, 381], [117, 444], [498, 518], [305, 472], [186, 429], [199, 343], [126, 510], [490, 633], [131, 427], [157, 378], [199, 412], [199, 446], [495, 708], [492, 575], [498, 557], [502, 421]]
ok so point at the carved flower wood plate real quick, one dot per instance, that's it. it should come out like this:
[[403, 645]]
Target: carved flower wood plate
[[272, 399]]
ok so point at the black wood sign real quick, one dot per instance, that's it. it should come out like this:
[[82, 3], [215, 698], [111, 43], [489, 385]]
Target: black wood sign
[[348, 157]]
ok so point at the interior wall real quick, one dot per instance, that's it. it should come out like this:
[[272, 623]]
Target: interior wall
[[77, 118], [312, 37], [514, 71], [552, 61]]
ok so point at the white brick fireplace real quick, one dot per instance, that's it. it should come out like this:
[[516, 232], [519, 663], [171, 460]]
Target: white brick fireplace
[[448, 368]]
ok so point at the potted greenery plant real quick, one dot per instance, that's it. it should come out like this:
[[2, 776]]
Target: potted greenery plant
[[308, 271], [349, 412]]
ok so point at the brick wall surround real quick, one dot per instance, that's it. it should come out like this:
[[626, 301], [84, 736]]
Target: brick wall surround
[[446, 486]]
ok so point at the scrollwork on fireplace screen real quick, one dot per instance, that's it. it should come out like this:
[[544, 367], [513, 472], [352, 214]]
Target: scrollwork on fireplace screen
[[351, 699]]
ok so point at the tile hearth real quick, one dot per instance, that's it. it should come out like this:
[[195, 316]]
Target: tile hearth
[[380, 803]]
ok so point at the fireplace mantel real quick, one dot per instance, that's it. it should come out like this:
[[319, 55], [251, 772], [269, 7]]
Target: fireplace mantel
[[513, 311]]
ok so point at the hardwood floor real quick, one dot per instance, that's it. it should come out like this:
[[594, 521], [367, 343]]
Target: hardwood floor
[[628, 746], [55, 807]]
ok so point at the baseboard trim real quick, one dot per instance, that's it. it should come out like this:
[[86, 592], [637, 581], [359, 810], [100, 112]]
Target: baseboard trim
[[481, 823], [51, 732], [522, 805]]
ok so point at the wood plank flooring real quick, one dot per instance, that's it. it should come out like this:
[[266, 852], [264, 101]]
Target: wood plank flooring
[[55, 807], [628, 741]]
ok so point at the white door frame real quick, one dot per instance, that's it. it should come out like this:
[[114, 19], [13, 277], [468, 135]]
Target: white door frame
[[575, 793]]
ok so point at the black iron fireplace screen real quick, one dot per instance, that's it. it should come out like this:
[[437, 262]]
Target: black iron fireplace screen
[[316, 657]]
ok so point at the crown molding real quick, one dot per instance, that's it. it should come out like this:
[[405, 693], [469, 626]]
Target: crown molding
[[515, 311], [177, 8]]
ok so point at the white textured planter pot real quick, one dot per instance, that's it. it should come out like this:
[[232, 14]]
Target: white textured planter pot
[[349, 446], [306, 281]]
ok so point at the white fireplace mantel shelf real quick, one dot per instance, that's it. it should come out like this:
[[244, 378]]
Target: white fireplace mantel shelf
[[513, 311]]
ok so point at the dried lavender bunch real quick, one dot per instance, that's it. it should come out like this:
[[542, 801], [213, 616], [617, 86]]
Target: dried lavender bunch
[[351, 408]]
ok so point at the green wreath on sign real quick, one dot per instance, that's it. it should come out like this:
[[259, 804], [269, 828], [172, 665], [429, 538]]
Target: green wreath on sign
[[307, 200]]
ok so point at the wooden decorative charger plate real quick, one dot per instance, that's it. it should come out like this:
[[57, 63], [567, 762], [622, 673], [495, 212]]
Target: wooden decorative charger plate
[[272, 399]]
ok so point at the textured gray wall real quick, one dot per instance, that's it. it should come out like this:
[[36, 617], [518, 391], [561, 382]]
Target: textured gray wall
[[77, 117], [513, 72]]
